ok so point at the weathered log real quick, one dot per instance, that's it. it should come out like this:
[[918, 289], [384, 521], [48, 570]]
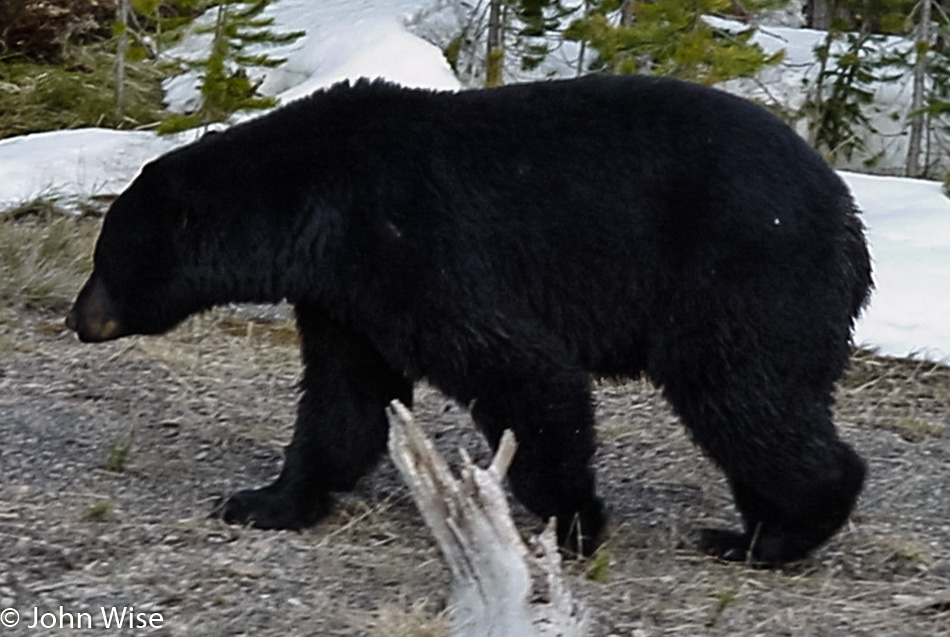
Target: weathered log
[[503, 586]]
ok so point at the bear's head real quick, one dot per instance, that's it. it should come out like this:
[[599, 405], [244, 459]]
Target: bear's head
[[240, 216], [139, 283]]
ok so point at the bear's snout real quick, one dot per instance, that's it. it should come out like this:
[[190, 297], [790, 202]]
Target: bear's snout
[[93, 316]]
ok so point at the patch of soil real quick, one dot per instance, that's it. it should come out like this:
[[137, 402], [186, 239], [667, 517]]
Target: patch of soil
[[114, 455]]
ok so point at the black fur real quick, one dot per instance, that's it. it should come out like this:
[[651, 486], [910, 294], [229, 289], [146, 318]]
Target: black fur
[[506, 245]]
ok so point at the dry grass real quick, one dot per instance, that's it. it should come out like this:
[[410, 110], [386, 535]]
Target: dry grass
[[911, 395], [44, 256], [402, 620]]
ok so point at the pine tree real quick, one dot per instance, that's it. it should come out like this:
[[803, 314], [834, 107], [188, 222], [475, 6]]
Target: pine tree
[[929, 117], [225, 84], [841, 94], [842, 89], [537, 20], [501, 37], [670, 37]]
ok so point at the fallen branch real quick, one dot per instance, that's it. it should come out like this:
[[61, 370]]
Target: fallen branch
[[503, 586]]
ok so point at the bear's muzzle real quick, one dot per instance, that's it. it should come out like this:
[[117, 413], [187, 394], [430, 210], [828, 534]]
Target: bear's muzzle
[[94, 316]]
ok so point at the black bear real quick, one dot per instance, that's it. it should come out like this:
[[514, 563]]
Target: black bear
[[507, 245]]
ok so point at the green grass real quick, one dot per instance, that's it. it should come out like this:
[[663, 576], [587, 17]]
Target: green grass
[[37, 96], [118, 456], [97, 512], [723, 599], [599, 569]]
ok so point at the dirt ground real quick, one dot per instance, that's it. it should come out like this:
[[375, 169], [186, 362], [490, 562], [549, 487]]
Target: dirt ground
[[112, 457]]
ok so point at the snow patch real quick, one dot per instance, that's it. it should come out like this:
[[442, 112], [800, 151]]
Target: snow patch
[[908, 220]]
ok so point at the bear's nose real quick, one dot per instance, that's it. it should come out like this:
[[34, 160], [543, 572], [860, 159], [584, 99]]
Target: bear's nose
[[94, 316]]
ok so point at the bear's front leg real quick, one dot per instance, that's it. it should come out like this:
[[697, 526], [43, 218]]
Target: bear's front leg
[[340, 431], [552, 418]]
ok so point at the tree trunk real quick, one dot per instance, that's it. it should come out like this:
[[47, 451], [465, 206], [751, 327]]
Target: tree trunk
[[626, 13], [122, 45], [918, 119], [494, 55], [583, 47], [818, 14], [503, 586]]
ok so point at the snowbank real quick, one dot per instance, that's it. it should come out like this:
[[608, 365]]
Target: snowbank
[[909, 230], [908, 220]]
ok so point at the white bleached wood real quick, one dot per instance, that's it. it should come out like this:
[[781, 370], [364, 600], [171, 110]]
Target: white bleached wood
[[503, 586]]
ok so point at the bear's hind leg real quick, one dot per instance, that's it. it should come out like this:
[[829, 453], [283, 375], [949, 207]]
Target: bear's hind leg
[[794, 481], [340, 431]]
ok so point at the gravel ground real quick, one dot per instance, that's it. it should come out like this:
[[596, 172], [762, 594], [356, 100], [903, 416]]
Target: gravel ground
[[112, 457]]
